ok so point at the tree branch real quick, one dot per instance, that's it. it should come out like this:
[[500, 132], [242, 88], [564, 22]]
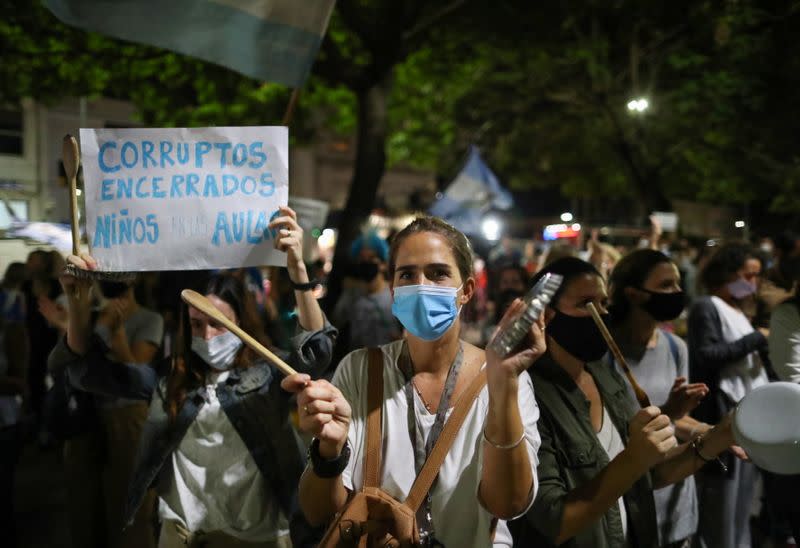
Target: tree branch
[[432, 19], [334, 68]]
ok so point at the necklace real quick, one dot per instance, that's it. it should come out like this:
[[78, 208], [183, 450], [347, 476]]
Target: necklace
[[421, 397]]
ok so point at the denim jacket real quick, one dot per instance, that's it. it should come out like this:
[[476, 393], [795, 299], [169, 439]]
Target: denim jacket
[[255, 405]]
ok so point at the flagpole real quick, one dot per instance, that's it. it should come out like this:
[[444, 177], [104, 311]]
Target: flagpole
[[290, 107]]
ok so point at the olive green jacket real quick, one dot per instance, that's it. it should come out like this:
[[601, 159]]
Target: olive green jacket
[[571, 455]]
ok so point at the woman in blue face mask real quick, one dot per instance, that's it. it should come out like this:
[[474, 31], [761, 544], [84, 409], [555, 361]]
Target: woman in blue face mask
[[728, 355], [218, 446], [490, 471], [601, 456]]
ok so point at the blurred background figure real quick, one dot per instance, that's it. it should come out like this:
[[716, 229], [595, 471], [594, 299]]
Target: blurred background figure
[[43, 270], [363, 313], [14, 347], [727, 354]]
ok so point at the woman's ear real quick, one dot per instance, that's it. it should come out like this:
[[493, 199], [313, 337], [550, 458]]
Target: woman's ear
[[468, 291], [634, 295]]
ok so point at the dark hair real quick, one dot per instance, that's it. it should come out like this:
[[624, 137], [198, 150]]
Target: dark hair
[[568, 267], [631, 271], [506, 266], [15, 275], [188, 369], [725, 263], [459, 244]]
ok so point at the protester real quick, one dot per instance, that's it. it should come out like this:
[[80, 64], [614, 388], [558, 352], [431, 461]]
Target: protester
[[364, 314], [600, 458], [42, 282], [724, 353], [784, 351], [133, 334], [645, 291], [14, 347], [217, 445], [490, 471]]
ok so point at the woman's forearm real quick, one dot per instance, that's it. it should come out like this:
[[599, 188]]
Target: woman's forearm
[[507, 481], [586, 504], [79, 329], [684, 461], [309, 314], [321, 498]]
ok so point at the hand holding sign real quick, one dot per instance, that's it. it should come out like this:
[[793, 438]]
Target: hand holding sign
[[289, 239]]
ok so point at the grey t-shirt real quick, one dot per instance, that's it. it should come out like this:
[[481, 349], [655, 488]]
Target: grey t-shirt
[[655, 369], [142, 325]]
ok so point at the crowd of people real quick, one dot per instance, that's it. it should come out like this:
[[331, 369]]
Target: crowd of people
[[172, 432]]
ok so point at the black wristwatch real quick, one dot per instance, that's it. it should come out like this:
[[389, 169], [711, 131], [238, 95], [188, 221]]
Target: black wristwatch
[[328, 468], [306, 286]]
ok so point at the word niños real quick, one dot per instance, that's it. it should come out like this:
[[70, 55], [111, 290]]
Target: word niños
[[250, 226], [112, 156]]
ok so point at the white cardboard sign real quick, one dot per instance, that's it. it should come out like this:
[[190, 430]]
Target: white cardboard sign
[[184, 198]]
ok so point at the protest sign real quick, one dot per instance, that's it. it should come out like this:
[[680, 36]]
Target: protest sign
[[184, 198]]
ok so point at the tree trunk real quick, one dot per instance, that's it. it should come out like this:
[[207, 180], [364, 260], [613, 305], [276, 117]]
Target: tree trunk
[[369, 169]]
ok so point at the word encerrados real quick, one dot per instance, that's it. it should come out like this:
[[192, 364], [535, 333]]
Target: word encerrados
[[186, 185]]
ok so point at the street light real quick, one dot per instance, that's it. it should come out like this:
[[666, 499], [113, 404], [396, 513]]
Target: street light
[[739, 224], [638, 105], [566, 217], [491, 229]]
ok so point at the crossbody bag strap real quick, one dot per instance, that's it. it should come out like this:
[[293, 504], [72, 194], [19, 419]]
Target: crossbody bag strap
[[372, 458], [430, 470]]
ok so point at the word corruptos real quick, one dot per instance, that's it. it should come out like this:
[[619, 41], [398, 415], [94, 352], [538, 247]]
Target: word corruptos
[[250, 226], [112, 156]]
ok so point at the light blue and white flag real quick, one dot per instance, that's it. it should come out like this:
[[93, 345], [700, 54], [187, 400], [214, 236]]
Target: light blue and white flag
[[472, 193], [270, 40]]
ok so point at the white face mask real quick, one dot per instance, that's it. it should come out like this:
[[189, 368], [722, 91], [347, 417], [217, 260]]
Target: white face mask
[[218, 352]]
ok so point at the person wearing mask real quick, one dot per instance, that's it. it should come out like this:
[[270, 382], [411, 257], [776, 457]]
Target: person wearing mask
[[601, 457], [14, 347], [365, 313], [725, 353], [646, 291], [218, 445], [490, 471]]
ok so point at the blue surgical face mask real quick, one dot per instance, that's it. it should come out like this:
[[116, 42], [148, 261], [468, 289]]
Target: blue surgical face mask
[[741, 288], [426, 311]]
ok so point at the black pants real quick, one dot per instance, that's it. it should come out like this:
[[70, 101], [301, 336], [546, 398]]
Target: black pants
[[10, 447], [783, 500]]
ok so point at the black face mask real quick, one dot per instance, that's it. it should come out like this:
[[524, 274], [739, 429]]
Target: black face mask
[[578, 335], [665, 306], [365, 270], [113, 290]]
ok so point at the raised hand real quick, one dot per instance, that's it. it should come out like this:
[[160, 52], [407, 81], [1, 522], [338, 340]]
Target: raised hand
[[651, 437], [290, 240], [324, 412], [522, 358], [78, 289], [683, 398]]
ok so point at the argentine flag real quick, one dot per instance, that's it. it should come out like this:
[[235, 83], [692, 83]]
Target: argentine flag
[[474, 190], [270, 40]]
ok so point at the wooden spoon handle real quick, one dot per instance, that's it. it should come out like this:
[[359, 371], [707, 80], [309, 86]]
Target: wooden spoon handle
[[641, 395], [202, 304], [71, 159]]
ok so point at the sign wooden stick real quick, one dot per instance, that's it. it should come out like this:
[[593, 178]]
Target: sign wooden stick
[[641, 395], [202, 304], [71, 159]]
